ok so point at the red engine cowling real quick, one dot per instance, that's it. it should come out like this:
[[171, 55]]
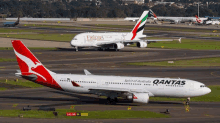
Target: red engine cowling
[[141, 97]]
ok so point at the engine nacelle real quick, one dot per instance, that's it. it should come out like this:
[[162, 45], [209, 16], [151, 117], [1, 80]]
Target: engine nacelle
[[141, 44], [141, 97], [119, 46], [127, 96]]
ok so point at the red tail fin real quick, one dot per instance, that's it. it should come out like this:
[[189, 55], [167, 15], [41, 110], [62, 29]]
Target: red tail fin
[[196, 16], [31, 68], [197, 19]]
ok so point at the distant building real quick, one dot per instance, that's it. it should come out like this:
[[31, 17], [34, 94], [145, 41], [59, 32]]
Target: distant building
[[163, 3], [133, 1]]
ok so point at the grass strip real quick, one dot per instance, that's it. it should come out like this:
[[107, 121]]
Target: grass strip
[[2, 89], [47, 37], [11, 30], [22, 83], [55, 26], [6, 60], [187, 44], [214, 96], [32, 48], [212, 35], [113, 114], [73, 27], [205, 62]]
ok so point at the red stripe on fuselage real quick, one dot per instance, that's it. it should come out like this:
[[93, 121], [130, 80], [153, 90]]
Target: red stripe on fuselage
[[135, 30]]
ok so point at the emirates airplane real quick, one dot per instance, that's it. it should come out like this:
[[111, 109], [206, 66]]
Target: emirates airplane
[[137, 89], [115, 40]]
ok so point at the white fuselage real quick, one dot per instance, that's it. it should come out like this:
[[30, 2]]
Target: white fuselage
[[162, 87], [96, 39], [178, 19]]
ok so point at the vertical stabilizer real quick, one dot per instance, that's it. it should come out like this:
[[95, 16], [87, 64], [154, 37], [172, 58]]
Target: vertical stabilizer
[[31, 68], [139, 27]]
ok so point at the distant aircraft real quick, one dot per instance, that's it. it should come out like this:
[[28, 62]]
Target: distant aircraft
[[212, 21], [115, 40], [164, 18], [11, 24], [137, 89], [200, 20], [131, 18]]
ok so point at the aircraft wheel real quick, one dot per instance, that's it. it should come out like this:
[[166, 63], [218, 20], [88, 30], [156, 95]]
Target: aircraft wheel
[[76, 49], [187, 101], [111, 101]]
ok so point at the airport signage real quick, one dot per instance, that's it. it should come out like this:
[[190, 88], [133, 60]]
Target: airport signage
[[74, 114], [71, 113]]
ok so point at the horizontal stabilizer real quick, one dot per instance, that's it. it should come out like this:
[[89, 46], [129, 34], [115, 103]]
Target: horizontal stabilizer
[[18, 74], [87, 72]]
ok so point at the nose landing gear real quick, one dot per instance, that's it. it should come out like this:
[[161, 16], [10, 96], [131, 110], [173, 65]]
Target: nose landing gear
[[76, 49], [187, 101]]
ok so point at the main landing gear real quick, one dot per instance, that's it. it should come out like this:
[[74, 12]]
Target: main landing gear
[[111, 101]]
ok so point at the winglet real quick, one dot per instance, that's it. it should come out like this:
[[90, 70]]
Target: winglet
[[87, 72]]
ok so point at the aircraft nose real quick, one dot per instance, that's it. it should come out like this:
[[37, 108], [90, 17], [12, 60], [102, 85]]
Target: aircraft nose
[[72, 43], [207, 90]]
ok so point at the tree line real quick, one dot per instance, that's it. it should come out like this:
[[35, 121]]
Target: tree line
[[108, 9]]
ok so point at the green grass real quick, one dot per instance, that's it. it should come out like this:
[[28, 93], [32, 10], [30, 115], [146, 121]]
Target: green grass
[[55, 26], [210, 35], [47, 37], [214, 96], [32, 48], [6, 30], [22, 83], [6, 60], [187, 44], [73, 27], [2, 89], [113, 114], [182, 63]]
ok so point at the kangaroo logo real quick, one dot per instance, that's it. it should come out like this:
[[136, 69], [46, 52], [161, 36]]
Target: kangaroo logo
[[32, 67]]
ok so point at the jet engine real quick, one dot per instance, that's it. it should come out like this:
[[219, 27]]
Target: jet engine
[[119, 46], [127, 96], [141, 44], [176, 21], [140, 97]]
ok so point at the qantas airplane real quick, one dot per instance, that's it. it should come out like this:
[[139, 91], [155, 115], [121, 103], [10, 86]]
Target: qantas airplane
[[137, 89], [115, 40], [200, 20]]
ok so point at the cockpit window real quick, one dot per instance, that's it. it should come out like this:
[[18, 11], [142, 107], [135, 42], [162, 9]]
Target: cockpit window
[[74, 38], [202, 86]]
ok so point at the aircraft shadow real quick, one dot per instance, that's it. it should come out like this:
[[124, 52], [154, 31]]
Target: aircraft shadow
[[82, 100], [95, 50]]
